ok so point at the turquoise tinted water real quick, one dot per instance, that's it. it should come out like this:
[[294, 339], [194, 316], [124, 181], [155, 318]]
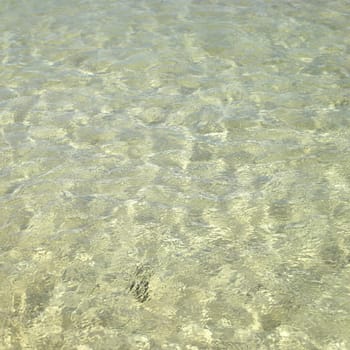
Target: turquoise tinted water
[[174, 174]]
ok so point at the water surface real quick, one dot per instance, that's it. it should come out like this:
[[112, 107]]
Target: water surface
[[174, 174]]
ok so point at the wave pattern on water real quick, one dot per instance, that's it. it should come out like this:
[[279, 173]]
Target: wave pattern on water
[[174, 174]]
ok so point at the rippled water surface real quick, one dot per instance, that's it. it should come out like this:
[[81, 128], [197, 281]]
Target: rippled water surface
[[174, 174]]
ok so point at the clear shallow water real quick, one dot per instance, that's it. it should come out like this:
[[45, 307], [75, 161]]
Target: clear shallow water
[[174, 175]]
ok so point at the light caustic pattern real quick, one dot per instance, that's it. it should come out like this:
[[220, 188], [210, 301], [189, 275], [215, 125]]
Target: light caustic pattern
[[174, 174]]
